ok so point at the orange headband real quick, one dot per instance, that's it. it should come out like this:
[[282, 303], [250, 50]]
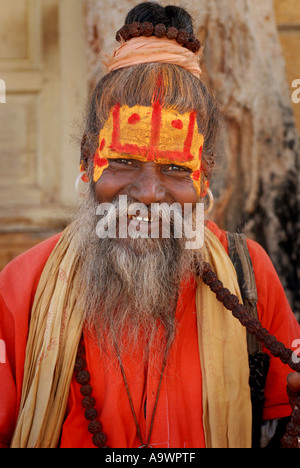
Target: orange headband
[[152, 49]]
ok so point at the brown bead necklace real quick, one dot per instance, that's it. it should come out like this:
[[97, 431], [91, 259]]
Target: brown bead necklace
[[82, 377], [291, 438], [95, 428]]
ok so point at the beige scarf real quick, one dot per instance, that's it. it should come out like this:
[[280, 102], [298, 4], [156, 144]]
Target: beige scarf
[[55, 331]]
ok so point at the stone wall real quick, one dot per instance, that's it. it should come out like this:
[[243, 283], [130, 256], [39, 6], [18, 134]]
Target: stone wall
[[43, 64]]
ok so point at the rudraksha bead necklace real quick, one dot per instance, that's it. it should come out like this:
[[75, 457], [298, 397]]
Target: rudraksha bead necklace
[[181, 36], [231, 302], [95, 428], [291, 439], [82, 377]]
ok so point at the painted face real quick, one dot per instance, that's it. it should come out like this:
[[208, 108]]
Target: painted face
[[151, 134]]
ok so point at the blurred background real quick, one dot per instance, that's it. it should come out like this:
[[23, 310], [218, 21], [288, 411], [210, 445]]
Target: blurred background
[[51, 54]]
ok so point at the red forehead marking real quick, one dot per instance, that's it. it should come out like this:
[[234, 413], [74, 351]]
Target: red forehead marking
[[189, 137], [177, 124], [196, 175], [116, 123], [133, 119], [102, 144], [100, 162], [156, 123]]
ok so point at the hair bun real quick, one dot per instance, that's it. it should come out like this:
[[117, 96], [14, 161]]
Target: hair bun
[[170, 16], [179, 18]]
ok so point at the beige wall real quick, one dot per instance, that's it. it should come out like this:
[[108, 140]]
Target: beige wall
[[288, 20], [43, 64]]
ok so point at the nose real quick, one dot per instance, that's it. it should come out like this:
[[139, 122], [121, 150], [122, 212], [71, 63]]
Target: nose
[[148, 186]]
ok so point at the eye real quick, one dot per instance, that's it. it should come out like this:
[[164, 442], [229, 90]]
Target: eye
[[126, 162], [175, 168]]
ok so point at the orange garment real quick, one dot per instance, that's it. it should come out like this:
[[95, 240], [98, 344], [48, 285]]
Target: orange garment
[[178, 421]]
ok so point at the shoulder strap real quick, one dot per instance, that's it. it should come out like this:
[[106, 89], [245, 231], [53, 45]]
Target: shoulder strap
[[240, 257]]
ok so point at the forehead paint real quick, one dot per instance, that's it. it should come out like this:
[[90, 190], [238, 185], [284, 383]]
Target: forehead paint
[[151, 134]]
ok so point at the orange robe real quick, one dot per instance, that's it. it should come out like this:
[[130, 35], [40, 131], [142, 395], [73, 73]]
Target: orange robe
[[178, 420]]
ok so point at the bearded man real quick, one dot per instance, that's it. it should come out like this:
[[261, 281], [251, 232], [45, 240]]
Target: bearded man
[[127, 340]]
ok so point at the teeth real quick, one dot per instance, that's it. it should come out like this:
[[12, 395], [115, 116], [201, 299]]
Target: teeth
[[141, 219]]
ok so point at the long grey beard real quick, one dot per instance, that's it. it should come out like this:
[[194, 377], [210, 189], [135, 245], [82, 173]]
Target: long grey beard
[[129, 289]]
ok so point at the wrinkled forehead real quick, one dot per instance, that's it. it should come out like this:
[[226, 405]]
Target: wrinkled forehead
[[152, 134]]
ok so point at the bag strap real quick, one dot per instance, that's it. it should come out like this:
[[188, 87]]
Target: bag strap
[[240, 257]]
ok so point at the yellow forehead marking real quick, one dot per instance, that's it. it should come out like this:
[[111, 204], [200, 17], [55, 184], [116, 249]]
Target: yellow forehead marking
[[151, 134]]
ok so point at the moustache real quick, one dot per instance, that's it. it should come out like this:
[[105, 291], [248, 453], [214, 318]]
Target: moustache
[[123, 218]]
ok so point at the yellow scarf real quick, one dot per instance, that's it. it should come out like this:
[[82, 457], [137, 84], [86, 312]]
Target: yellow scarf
[[56, 328], [227, 413]]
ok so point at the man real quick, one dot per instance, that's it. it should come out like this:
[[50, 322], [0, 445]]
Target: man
[[160, 361]]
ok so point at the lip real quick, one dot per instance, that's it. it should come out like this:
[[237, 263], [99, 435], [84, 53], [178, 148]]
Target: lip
[[129, 226]]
